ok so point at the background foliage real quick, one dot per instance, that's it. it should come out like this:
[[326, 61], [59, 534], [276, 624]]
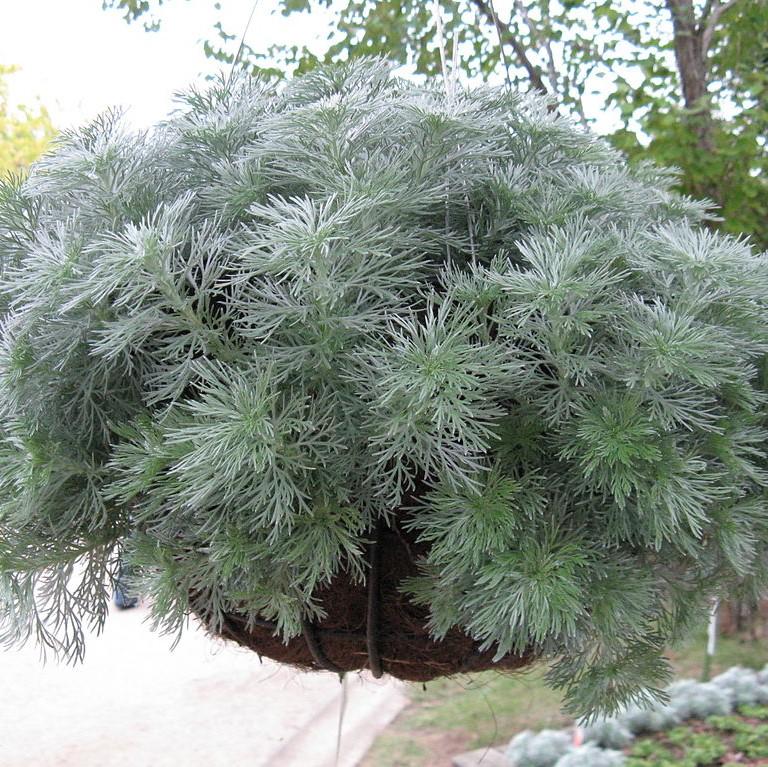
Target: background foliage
[[25, 132], [685, 85], [462, 714]]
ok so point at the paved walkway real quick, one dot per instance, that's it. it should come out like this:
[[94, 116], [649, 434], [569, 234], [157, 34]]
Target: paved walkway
[[134, 703]]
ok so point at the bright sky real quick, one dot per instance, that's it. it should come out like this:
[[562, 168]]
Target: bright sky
[[79, 59]]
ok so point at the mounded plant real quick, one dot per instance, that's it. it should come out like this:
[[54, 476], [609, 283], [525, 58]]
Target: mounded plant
[[538, 749], [649, 718], [591, 755], [743, 686], [698, 700], [367, 374], [608, 733]]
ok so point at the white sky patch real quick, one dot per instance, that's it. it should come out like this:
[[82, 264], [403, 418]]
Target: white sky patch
[[79, 60]]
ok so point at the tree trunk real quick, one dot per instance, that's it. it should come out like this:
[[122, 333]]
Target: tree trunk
[[691, 58], [507, 35]]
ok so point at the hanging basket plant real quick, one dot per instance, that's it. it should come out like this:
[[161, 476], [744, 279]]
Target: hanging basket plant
[[365, 375]]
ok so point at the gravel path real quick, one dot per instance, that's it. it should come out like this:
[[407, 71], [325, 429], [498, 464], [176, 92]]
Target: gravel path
[[134, 703]]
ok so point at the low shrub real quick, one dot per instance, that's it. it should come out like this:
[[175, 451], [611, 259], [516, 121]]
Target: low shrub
[[648, 751], [698, 748], [698, 700], [590, 755], [742, 686], [728, 723], [754, 712], [641, 720], [731, 729], [543, 749], [608, 733], [753, 743]]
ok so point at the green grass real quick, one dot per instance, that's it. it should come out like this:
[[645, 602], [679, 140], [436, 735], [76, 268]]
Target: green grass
[[486, 704], [688, 658], [463, 713]]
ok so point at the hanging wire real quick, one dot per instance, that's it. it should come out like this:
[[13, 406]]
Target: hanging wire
[[502, 51], [437, 13], [455, 58], [372, 617], [342, 711], [242, 39]]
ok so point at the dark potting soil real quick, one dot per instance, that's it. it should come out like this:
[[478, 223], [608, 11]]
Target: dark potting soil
[[402, 646]]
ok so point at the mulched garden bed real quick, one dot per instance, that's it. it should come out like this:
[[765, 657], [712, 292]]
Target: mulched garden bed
[[736, 740]]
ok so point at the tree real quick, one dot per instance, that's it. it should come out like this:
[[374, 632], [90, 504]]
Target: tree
[[688, 86], [364, 373], [24, 132]]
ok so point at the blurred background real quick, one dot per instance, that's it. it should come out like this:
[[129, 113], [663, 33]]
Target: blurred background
[[683, 83]]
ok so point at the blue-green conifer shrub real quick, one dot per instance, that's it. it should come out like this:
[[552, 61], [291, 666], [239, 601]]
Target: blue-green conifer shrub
[[698, 700], [538, 749], [236, 348], [590, 755], [608, 733], [743, 686], [653, 717]]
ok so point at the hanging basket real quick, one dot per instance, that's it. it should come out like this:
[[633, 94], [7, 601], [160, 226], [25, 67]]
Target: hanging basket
[[373, 626], [395, 360]]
